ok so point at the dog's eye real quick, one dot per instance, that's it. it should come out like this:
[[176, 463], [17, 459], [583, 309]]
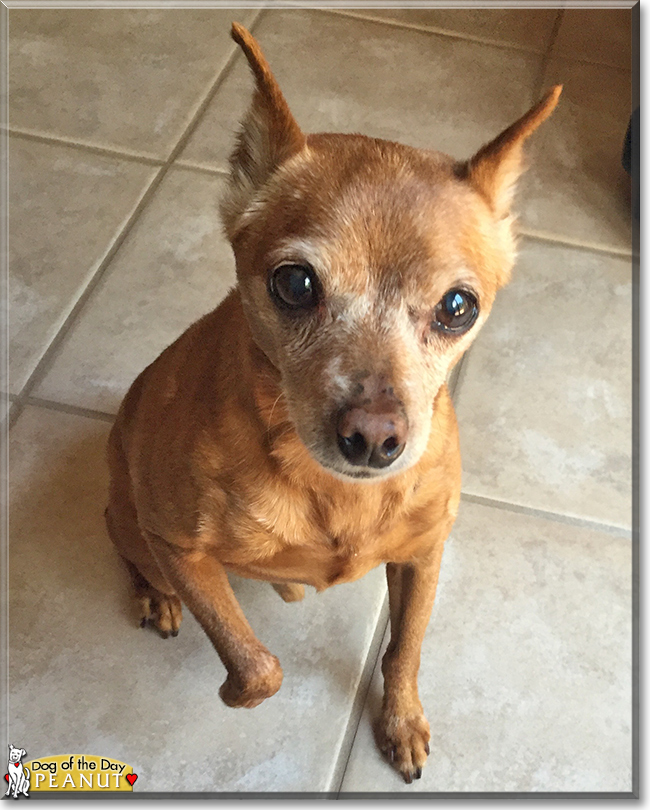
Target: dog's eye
[[294, 286], [455, 312]]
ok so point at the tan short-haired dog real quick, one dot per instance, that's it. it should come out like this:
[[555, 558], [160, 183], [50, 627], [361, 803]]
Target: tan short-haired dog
[[303, 432]]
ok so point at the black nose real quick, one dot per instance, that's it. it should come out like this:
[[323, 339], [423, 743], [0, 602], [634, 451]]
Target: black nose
[[371, 439]]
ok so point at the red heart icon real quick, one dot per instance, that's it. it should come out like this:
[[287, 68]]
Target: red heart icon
[[131, 777], [7, 777]]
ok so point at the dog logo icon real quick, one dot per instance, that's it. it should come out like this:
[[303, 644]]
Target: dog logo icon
[[18, 776]]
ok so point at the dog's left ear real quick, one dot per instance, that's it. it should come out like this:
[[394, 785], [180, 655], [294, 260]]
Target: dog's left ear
[[495, 168], [269, 134]]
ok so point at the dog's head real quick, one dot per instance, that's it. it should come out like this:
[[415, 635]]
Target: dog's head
[[16, 754], [366, 268]]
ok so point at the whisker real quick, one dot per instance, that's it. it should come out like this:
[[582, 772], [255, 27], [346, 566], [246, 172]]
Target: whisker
[[268, 427], [288, 429]]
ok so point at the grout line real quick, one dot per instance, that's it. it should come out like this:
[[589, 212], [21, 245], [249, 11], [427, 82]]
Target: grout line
[[568, 241], [584, 60], [43, 364], [361, 696], [445, 32], [222, 74], [432, 29], [201, 168], [559, 17], [554, 34], [457, 378], [542, 236], [50, 352], [216, 85], [539, 84], [556, 517], [214, 171], [64, 407], [105, 151], [51, 140], [551, 53], [13, 412]]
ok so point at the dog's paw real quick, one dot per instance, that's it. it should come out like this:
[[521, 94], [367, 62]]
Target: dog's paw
[[249, 688], [162, 611], [404, 739], [290, 591]]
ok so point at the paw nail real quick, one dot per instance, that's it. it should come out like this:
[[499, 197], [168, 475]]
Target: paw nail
[[174, 633], [164, 633], [408, 778], [392, 753], [143, 621], [418, 773], [426, 749]]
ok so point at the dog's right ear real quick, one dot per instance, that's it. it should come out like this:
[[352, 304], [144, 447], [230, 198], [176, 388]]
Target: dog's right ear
[[269, 135]]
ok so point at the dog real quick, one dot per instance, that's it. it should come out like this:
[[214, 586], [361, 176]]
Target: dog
[[18, 774], [303, 432]]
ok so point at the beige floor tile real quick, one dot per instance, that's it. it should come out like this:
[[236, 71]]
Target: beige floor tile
[[84, 678], [526, 665], [348, 75], [545, 403], [125, 78], [174, 267], [528, 28], [597, 34], [66, 207], [576, 186]]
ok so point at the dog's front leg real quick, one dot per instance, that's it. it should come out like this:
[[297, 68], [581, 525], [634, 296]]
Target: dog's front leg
[[404, 730], [201, 582]]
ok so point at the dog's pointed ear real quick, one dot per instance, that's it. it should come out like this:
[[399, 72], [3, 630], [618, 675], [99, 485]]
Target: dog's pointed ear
[[496, 167], [269, 134]]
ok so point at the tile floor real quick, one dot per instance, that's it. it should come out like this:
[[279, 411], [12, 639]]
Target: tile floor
[[120, 125]]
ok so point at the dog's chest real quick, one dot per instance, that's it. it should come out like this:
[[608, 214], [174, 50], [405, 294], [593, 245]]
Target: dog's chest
[[318, 538], [314, 565]]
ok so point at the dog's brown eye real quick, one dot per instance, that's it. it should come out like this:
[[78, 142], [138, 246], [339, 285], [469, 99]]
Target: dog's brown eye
[[455, 312], [294, 286]]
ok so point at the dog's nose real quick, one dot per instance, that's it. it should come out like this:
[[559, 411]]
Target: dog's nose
[[373, 434]]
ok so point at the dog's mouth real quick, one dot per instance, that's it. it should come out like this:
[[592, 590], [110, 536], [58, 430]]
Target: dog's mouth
[[356, 475]]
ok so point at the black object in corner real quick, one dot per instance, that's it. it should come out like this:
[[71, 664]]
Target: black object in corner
[[630, 160]]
